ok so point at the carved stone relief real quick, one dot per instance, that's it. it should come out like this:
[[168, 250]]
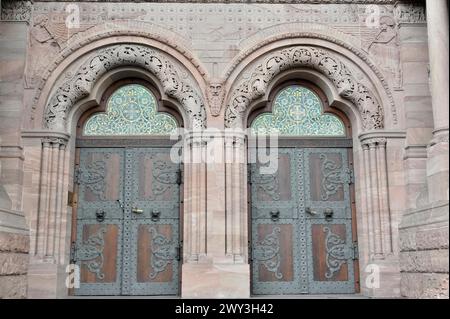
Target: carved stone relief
[[410, 13], [82, 82], [383, 48], [216, 95], [14, 10], [320, 60]]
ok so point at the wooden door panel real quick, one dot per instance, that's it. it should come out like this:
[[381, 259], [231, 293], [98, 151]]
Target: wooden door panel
[[332, 256], [157, 254], [278, 231], [153, 238], [100, 183], [327, 183], [274, 252], [156, 183], [98, 255]]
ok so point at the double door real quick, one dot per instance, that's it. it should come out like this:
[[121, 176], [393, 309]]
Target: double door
[[302, 233], [127, 240]]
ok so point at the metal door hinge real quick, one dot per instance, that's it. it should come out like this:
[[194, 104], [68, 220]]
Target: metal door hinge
[[355, 251], [77, 176], [180, 177], [73, 252], [349, 176]]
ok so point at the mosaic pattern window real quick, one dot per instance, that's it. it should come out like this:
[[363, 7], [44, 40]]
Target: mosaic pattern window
[[298, 111], [131, 110]]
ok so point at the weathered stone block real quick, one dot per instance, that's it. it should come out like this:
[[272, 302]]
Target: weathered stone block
[[424, 261], [13, 264], [429, 286], [10, 242], [13, 287]]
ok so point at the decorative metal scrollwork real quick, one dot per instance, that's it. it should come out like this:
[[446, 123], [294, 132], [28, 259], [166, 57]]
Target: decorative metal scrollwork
[[268, 183], [268, 252], [162, 252], [93, 177], [165, 176], [335, 249], [332, 179], [90, 253]]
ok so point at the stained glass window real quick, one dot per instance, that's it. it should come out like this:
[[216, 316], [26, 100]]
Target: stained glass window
[[298, 111], [131, 110]]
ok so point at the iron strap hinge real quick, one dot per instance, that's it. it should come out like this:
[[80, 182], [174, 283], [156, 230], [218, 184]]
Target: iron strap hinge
[[355, 251]]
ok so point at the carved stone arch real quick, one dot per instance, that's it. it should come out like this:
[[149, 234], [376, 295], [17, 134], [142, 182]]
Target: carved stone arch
[[256, 84], [107, 59]]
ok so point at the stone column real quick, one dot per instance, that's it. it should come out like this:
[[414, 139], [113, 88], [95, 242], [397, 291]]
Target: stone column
[[438, 41]]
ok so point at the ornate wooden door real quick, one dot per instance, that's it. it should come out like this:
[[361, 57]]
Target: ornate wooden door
[[127, 232], [302, 239]]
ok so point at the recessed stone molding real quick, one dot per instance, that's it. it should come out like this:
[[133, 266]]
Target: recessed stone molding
[[320, 60], [81, 84]]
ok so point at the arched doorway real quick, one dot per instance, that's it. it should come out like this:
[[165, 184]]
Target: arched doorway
[[126, 229], [303, 232]]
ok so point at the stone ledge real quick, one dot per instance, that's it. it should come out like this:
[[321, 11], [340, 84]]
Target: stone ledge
[[13, 287], [432, 214]]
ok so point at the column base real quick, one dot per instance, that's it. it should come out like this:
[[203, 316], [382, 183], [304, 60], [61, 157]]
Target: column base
[[215, 280]]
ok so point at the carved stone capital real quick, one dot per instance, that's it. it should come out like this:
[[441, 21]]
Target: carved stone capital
[[375, 142], [54, 142]]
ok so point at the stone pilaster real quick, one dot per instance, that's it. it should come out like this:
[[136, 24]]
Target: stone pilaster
[[222, 271]]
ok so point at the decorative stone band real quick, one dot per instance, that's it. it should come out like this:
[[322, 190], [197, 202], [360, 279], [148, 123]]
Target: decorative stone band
[[82, 82], [410, 13], [256, 85]]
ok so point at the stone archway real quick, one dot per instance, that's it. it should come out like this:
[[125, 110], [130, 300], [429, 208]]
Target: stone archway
[[320, 60], [52, 142], [81, 84]]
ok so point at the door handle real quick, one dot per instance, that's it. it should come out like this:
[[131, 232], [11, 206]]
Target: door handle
[[311, 212], [275, 215], [100, 215], [136, 210], [328, 213], [155, 215]]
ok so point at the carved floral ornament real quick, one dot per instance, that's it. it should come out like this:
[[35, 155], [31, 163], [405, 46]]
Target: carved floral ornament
[[81, 84], [256, 85]]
